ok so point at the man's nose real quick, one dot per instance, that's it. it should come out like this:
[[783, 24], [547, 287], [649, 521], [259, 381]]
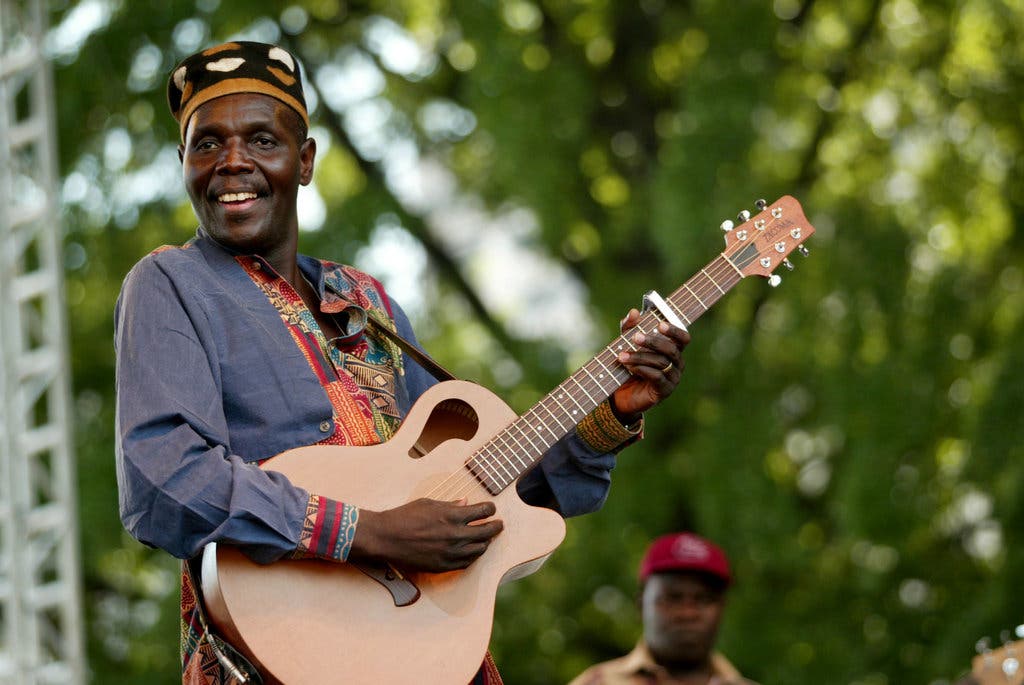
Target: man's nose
[[235, 157], [686, 608]]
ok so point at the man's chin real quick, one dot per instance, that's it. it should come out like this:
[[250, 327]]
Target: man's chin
[[684, 652], [238, 236]]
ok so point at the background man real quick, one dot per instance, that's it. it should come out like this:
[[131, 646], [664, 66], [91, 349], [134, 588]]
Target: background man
[[683, 580]]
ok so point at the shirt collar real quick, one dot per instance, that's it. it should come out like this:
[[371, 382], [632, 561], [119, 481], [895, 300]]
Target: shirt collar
[[353, 317], [640, 660]]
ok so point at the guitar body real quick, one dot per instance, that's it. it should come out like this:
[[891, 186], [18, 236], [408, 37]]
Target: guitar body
[[304, 621]]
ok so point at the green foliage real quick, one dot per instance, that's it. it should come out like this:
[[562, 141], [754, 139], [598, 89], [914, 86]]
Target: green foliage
[[853, 439]]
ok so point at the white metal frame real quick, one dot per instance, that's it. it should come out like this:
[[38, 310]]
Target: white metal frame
[[41, 630]]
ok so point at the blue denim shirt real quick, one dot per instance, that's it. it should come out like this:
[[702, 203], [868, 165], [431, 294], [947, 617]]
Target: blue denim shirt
[[209, 381]]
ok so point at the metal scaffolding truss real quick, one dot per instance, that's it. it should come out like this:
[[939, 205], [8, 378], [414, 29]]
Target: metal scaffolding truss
[[40, 615]]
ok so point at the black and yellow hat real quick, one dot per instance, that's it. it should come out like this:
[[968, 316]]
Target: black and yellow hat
[[236, 67]]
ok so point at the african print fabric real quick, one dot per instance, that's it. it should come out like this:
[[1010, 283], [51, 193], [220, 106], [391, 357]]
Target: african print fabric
[[358, 375]]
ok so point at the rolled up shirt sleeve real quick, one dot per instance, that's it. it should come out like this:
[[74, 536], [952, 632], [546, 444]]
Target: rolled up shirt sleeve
[[180, 485]]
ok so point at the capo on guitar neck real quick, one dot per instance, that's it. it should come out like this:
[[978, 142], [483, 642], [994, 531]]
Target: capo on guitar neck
[[652, 300]]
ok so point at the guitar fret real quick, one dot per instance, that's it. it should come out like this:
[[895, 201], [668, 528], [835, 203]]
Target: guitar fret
[[541, 422], [708, 293], [587, 371], [614, 372], [490, 456], [553, 415], [582, 388], [478, 468], [501, 465], [494, 459], [685, 285], [511, 450], [712, 281], [525, 434], [560, 406], [572, 397], [622, 339]]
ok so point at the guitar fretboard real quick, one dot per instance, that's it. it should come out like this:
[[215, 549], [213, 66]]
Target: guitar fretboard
[[517, 448]]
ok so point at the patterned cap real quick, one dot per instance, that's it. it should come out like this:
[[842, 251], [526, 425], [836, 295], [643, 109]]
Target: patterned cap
[[237, 67], [685, 552]]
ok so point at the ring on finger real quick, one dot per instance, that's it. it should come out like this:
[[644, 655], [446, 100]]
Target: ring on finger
[[667, 367]]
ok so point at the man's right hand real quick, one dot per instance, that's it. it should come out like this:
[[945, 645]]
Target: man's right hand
[[426, 534]]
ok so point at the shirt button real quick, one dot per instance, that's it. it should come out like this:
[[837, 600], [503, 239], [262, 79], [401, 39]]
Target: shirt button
[[325, 426]]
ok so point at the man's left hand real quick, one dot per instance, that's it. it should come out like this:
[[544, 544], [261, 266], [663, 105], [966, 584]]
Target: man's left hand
[[656, 367]]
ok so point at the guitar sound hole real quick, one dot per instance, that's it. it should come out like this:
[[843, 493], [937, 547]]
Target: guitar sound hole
[[449, 419]]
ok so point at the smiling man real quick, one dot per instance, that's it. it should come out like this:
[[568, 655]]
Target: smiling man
[[683, 580], [234, 348]]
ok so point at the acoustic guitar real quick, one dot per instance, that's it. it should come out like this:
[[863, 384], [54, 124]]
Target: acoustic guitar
[[313, 621]]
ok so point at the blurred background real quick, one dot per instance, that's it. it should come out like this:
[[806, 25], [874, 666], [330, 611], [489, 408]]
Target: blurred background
[[518, 173]]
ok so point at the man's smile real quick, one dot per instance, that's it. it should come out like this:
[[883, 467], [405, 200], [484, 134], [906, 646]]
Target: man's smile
[[236, 197], [237, 202]]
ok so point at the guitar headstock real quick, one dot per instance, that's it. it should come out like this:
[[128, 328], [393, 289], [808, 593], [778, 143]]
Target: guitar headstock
[[1002, 666], [760, 243]]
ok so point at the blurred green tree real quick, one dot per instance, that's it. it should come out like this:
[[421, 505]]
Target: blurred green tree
[[518, 172]]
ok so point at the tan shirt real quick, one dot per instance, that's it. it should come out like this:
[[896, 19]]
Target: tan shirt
[[639, 668]]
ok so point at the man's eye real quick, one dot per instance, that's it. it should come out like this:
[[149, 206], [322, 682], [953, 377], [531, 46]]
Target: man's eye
[[264, 141]]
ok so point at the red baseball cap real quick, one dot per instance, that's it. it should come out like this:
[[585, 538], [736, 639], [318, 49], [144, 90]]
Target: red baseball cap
[[685, 552]]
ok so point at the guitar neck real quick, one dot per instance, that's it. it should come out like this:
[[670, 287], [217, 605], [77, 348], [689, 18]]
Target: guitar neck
[[515, 450], [755, 248]]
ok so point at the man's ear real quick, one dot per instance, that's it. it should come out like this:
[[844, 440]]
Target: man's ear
[[307, 155]]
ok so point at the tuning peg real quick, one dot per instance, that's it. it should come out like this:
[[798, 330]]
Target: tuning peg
[[760, 204], [743, 216], [803, 250], [788, 264], [774, 280], [727, 225]]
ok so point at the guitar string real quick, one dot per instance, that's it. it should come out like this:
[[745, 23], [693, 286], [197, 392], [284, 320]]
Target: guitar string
[[484, 460], [465, 481]]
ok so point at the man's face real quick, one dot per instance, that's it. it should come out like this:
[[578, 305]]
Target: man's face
[[681, 612], [243, 163]]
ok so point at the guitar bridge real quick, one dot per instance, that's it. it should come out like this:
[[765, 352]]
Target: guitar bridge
[[403, 591]]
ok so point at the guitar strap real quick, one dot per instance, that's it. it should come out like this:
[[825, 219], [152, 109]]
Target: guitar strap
[[236, 667], [421, 357]]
